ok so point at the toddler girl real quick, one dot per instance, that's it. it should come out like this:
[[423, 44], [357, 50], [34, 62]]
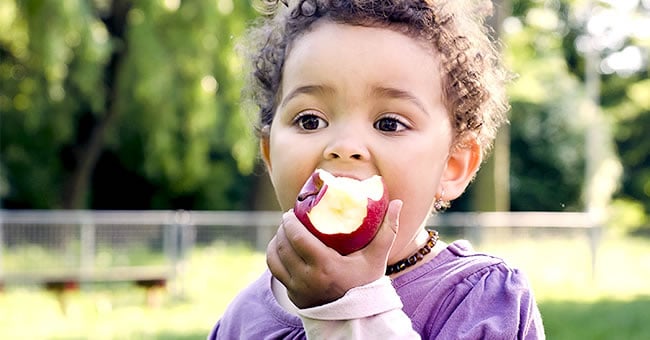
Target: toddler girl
[[411, 90]]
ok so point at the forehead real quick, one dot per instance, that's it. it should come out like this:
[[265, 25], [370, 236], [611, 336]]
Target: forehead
[[340, 32], [341, 55]]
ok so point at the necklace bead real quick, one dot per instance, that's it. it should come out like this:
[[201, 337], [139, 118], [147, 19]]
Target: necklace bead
[[413, 259]]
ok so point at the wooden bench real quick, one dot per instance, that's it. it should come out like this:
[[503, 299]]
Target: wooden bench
[[153, 279]]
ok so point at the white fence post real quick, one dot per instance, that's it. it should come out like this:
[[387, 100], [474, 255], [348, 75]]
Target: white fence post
[[87, 245], [595, 234]]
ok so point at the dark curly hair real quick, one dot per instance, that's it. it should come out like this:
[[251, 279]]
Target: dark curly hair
[[473, 77]]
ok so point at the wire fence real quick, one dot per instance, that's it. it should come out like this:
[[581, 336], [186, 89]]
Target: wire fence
[[38, 247]]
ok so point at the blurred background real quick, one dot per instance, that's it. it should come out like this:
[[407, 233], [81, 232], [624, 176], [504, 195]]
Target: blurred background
[[129, 173]]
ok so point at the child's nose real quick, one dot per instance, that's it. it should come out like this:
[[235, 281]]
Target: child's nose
[[349, 146]]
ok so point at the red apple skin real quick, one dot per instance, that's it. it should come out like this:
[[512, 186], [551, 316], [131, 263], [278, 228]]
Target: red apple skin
[[344, 243]]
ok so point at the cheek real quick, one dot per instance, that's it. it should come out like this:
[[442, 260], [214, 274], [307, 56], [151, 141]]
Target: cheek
[[417, 187], [418, 196], [290, 170]]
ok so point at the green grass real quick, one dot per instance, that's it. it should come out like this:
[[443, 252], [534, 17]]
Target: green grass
[[613, 304], [188, 310], [601, 319]]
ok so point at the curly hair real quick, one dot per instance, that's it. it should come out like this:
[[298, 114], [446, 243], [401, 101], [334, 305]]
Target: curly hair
[[473, 79]]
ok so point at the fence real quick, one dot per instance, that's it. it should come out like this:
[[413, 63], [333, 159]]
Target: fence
[[59, 248]]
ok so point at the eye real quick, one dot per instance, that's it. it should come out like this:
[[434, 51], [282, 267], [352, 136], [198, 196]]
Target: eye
[[390, 124], [309, 121]]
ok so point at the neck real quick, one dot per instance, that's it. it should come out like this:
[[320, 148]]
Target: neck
[[417, 257], [418, 241]]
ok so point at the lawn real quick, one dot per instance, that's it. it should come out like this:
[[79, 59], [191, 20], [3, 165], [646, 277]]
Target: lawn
[[612, 303]]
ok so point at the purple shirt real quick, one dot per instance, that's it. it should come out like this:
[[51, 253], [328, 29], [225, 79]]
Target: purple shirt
[[459, 294]]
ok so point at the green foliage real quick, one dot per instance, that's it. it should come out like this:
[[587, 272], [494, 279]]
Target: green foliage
[[547, 162], [625, 102], [152, 84], [135, 104], [179, 61], [47, 74], [627, 216], [545, 45], [632, 113]]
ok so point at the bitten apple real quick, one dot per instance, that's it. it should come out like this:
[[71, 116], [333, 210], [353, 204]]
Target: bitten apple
[[344, 213]]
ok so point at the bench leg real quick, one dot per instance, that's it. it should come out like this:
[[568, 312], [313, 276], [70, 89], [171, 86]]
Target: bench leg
[[155, 291], [61, 290]]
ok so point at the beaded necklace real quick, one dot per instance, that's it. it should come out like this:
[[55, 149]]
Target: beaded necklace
[[419, 255]]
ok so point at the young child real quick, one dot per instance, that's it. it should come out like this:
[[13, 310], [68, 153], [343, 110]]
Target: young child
[[411, 90]]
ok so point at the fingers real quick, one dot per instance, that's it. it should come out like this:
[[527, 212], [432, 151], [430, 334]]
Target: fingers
[[274, 261], [307, 246], [293, 249], [382, 243]]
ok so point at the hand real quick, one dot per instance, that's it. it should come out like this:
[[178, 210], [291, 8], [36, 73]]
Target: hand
[[315, 274]]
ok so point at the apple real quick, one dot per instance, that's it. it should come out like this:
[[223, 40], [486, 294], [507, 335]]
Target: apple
[[344, 213]]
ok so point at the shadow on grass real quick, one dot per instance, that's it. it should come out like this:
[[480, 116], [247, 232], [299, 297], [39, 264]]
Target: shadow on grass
[[604, 319]]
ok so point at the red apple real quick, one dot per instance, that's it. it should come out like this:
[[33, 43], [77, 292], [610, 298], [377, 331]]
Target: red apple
[[344, 213]]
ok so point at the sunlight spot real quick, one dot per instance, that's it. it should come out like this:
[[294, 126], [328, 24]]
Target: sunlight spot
[[625, 62], [225, 6], [172, 5], [8, 15], [99, 32], [209, 84], [512, 25], [56, 93], [543, 18]]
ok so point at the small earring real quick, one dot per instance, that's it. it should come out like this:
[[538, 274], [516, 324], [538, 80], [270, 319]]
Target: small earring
[[440, 204]]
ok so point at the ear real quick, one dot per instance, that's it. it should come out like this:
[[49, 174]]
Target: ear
[[265, 148], [463, 163]]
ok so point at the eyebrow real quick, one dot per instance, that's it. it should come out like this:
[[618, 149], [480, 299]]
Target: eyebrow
[[376, 91], [322, 90], [391, 92]]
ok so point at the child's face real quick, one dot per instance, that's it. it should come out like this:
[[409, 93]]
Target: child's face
[[361, 101]]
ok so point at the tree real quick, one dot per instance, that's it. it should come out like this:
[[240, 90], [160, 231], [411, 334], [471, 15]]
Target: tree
[[617, 36], [558, 86], [148, 90], [548, 113], [545, 135]]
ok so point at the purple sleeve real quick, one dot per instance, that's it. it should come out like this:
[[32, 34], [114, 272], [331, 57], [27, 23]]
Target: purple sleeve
[[254, 314], [494, 303]]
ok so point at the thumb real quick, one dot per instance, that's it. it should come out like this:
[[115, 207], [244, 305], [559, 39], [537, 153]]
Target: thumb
[[381, 245]]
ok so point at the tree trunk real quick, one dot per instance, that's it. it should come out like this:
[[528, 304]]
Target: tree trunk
[[76, 190], [491, 190]]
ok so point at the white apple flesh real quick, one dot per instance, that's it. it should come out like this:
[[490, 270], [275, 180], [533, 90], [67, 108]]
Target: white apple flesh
[[344, 213]]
